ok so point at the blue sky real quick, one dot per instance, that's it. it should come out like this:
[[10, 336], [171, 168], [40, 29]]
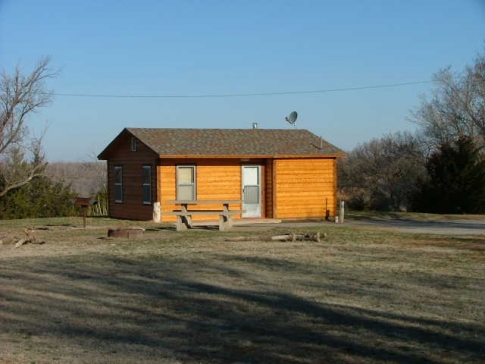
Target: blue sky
[[227, 47]]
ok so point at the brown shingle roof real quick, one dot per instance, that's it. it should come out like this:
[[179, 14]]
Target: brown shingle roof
[[234, 142], [237, 142]]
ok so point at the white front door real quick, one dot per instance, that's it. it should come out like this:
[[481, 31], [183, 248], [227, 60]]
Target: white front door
[[251, 191]]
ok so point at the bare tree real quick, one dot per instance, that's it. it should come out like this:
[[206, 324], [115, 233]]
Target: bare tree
[[457, 106], [383, 173], [21, 157]]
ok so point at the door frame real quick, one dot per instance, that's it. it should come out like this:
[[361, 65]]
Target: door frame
[[260, 185]]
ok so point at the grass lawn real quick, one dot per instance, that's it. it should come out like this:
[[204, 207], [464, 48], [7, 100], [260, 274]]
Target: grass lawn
[[358, 296]]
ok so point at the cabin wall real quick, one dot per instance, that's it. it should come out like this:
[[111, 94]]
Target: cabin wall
[[215, 180], [291, 188], [132, 206], [268, 188], [304, 188]]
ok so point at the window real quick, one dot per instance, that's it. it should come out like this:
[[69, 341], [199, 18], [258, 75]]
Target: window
[[118, 184], [186, 183], [133, 144], [147, 185]]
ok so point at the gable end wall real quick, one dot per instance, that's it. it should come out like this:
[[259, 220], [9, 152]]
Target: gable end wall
[[132, 206]]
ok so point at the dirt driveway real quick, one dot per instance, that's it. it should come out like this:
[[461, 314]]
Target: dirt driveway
[[448, 227]]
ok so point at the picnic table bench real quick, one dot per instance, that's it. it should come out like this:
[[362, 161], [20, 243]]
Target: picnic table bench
[[184, 215]]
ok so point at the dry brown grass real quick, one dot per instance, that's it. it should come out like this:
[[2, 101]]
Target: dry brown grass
[[360, 296]]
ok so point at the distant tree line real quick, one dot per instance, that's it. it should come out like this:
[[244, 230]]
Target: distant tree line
[[53, 193], [440, 168], [86, 179]]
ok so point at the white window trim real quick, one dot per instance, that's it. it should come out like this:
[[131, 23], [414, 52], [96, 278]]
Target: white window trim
[[194, 195], [134, 143]]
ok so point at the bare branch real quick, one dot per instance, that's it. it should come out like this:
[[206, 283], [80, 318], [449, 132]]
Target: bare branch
[[21, 94], [457, 106], [382, 173]]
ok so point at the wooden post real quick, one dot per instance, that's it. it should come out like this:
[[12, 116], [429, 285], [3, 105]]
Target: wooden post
[[84, 202], [342, 212]]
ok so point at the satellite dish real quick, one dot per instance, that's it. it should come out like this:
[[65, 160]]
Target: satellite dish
[[292, 118]]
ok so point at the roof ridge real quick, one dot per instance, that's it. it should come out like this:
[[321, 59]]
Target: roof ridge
[[248, 129]]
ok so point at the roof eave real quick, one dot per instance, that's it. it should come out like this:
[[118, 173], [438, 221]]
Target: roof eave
[[253, 156], [104, 155]]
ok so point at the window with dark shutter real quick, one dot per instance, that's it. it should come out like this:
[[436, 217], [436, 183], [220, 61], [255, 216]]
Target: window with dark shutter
[[118, 184], [147, 185]]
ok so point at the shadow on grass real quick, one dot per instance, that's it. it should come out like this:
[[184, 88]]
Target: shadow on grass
[[144, 310], [161, 228]]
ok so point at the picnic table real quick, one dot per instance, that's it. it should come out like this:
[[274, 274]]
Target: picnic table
[[184, 215]]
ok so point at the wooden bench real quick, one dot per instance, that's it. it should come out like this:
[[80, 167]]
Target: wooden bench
[[184, 215]]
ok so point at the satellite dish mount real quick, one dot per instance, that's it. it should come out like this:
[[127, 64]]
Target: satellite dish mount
[[292, 118]]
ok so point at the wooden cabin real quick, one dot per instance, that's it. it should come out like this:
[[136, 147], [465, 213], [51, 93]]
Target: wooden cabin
[[276, 173]]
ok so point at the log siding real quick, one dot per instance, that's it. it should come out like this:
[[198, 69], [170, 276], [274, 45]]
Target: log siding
[[216, 180], [304, 188]]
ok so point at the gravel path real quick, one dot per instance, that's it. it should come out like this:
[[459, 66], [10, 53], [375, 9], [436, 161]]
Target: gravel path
[[448, 227]]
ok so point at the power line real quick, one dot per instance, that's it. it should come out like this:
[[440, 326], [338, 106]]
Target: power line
[[244, 95]]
